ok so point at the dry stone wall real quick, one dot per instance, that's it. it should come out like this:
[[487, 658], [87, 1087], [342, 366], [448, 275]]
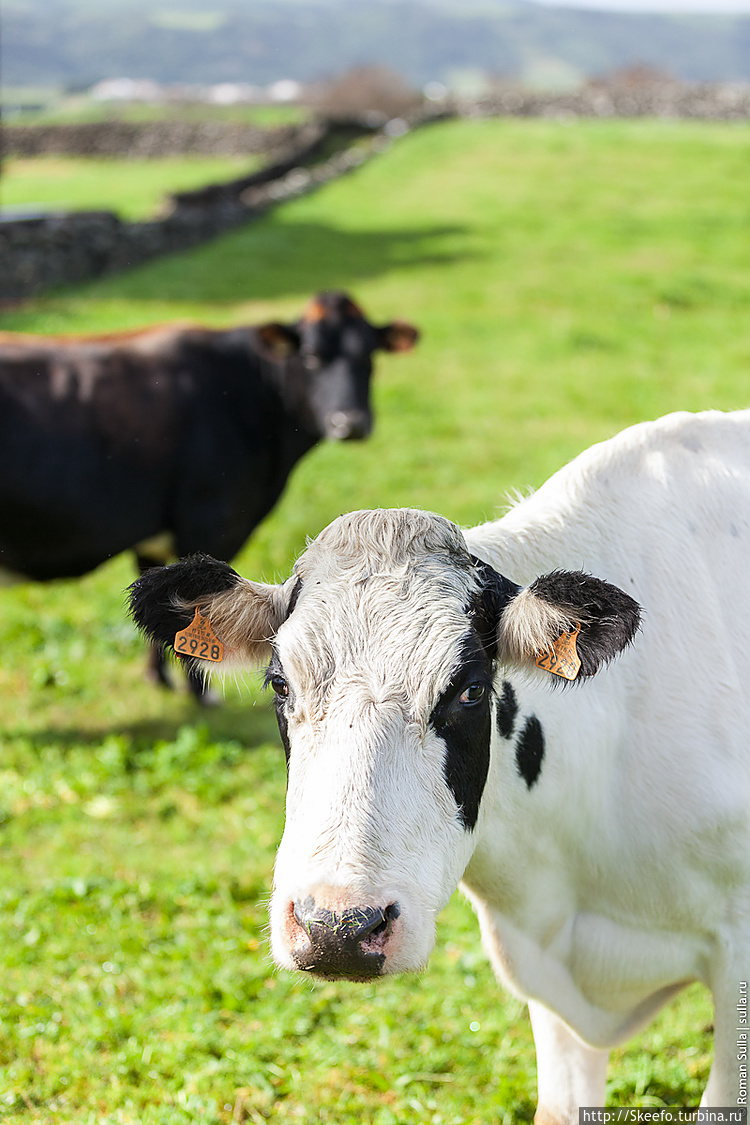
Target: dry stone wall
[[147, 139], [39, 253], [728, 101], [51, 250]]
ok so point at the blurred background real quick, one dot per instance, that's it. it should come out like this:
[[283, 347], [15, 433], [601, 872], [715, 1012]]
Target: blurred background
[[87, 59]]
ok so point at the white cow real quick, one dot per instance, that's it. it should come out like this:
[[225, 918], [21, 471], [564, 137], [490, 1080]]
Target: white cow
[[602, 832]]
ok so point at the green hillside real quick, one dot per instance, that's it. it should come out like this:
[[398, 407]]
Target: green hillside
[[76, 42], [569, 279]]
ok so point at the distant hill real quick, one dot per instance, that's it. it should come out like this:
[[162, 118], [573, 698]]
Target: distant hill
[[76, 42]]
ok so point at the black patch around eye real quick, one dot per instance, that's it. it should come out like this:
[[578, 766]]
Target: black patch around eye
[[507, 710], [466, 732], [530, 751]]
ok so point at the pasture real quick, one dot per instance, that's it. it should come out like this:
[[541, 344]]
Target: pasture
[[569, 279], [134, 189]]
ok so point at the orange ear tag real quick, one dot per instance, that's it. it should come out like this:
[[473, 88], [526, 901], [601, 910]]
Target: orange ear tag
[[561, 658], [199, 640]]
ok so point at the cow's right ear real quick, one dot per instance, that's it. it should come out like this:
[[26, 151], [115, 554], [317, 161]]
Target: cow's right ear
[[236, 619], [278, 340]]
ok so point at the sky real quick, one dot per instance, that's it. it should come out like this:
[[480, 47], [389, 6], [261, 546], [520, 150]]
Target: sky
[[709, 6]]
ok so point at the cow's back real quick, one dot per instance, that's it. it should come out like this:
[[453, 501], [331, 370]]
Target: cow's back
[[661, 505]]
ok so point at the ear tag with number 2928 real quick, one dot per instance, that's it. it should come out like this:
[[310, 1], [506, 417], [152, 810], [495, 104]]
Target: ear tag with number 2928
[[561, 658], [199, 640]]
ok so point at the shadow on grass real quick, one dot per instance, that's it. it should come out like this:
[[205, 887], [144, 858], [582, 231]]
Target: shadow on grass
[[275, 258], [251, 726]]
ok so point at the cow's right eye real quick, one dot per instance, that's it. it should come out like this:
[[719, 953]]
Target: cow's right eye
[[474, 693], [279, 685]]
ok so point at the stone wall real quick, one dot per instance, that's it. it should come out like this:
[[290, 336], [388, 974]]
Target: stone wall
[[43, 252], [146, 139], [728, 101]]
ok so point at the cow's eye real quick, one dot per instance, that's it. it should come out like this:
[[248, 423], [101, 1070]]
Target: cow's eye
[[474, 693], [279, 685]]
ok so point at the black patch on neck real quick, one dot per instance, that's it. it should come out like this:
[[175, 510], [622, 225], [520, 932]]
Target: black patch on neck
[[507, 710], [530, 751], [465, 730]]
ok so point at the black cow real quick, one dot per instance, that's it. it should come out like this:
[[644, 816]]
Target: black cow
[[173, 440]]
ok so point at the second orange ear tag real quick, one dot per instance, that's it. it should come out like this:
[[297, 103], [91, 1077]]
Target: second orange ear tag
[[561, 658], [199, 640]]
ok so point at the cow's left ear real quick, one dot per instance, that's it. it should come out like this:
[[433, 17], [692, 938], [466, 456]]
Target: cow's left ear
[[398, 336], [279, 340], [564, 617], [204, 610]]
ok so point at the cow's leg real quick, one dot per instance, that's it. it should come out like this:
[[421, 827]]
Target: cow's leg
[[569, 1073], [728, 1082]]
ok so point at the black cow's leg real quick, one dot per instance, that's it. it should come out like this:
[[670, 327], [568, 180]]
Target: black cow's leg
[[199, 689]]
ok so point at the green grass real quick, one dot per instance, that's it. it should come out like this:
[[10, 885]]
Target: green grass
[[78, 109], [135, 189], [569, 279]]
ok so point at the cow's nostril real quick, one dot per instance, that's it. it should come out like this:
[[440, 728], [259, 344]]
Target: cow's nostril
[[346, 927], [351, 942], [389, 916]]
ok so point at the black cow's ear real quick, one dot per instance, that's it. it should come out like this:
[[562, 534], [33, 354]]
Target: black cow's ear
[[566, 617], [204, 610], [279, 340], [398, 336]]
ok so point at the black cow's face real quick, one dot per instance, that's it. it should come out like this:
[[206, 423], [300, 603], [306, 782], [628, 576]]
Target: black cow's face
[[330, 367]]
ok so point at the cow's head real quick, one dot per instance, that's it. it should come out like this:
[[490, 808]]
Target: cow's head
[[381, 650], [327, 362]]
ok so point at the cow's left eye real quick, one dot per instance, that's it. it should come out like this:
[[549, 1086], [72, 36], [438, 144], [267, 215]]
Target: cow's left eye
[[279, 685], [474, 693]]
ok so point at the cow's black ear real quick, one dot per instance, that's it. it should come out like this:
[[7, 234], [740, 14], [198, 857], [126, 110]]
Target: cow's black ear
[[398, 336], [278, 340], [567, 616], [228, 621]]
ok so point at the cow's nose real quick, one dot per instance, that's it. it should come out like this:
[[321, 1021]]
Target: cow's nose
[[348, 425], [343, 943]]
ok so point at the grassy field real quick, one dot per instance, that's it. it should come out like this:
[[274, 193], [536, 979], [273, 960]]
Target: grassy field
[[68, 109], [569, 279], [135, 189]]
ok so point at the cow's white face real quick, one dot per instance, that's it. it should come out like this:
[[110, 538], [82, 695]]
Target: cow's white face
[[381, 653], [383, 691]]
